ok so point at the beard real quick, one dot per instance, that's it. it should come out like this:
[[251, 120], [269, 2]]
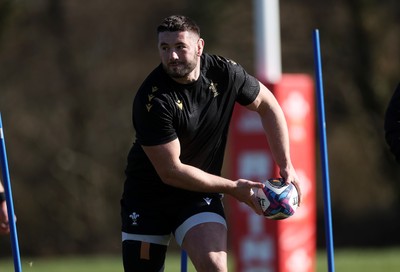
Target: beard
[[180, 69]]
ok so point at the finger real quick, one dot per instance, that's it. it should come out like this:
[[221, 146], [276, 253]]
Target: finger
[[295, 183], [257, 184], [255, 205]]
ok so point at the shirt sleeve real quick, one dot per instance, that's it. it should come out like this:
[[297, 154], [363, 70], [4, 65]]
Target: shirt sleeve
[[249, 90], [153, 121], [247, 86]]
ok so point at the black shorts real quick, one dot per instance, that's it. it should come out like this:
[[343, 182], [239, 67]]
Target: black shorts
[[154, 219]]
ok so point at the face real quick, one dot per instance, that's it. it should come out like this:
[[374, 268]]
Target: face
[[180, 53]]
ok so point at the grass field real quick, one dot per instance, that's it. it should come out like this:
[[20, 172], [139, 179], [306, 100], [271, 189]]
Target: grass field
[[349, 260]]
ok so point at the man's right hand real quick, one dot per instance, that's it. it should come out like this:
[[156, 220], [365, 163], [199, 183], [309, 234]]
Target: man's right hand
[[244, 193]]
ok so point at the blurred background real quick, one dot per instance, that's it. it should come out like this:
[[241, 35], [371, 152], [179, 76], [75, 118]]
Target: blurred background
[[69, 71]]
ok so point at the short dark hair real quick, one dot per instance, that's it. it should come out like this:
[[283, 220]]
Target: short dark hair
[[178, 23]]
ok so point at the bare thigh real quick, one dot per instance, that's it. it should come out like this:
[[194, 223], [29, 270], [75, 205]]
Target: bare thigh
[[206, 245]]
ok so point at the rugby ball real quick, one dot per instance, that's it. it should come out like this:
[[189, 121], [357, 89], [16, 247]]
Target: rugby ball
[[278, 200]]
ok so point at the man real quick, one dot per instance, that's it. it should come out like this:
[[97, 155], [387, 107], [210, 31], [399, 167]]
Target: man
[[392, 124], [4, 226], [181, 115]]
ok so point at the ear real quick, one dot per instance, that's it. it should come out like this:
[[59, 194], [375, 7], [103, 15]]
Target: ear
[[200, 47]]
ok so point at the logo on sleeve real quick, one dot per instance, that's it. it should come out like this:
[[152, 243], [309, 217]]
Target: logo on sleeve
[[231, 61], [150, 97]]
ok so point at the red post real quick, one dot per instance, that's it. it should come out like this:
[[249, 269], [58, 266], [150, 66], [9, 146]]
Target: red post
[[260, 244]]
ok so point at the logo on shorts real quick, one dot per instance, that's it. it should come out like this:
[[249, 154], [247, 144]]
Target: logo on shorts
[[207, 200], [134, 216]]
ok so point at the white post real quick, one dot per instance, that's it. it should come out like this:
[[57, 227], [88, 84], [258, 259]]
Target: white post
[[267, 41]]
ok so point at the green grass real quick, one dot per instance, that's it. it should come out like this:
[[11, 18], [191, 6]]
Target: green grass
[[349, 260], [366, 260]]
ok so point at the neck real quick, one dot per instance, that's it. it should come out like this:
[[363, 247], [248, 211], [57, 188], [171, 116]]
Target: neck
[[187, 79]]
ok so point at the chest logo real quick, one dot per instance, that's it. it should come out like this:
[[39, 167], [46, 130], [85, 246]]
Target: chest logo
[[213, 89], [179, 104]]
